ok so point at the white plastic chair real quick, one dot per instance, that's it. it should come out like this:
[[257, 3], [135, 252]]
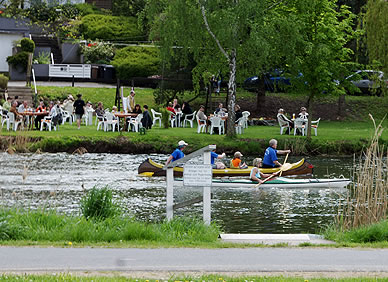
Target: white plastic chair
[[110, 121], [314, 125], [190, 119], [136, 123], [201, 125], [284, 125], [66, 116], [156, 116], [178, 117], [299, 125], [246, 114], [217, 122], [125, 104], [12, 122], [172, 118], [48, 121], [240, 125]]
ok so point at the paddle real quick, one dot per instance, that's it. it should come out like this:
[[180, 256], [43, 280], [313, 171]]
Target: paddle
[[283, 168], [285, 161]]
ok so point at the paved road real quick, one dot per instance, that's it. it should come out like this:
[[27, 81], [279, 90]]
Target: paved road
[[29, 259]]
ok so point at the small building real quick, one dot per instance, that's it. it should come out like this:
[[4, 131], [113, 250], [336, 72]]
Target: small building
[[11, 30]]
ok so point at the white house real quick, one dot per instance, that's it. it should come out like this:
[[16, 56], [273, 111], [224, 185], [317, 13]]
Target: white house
[[10, 31]]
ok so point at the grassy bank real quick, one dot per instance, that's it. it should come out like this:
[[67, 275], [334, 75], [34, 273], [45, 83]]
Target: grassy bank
[[48, 227], [334, 138]]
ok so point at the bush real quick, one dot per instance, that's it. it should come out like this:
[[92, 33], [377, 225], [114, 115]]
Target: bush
[[87, 9], [97, 52], [98, 204], [136, 62], [27, 45], [43, 58], [3, 81], [18, 60], [110, 28]]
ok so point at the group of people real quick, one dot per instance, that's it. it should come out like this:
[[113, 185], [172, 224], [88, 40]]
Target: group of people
[[283, 119], [175, 108], [270, 159]]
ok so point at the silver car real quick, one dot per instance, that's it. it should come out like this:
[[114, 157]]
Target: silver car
[[370, 81]]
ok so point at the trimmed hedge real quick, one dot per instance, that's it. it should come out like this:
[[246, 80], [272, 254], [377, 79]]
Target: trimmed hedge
[[136, 62], [3, 81], [110, 28]]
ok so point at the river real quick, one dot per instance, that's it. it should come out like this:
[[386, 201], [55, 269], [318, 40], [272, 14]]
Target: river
[[59, 181]]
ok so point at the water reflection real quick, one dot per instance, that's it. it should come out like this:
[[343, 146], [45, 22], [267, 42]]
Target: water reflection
[[59, 181]]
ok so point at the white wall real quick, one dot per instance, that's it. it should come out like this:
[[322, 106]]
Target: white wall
[[6, 43]]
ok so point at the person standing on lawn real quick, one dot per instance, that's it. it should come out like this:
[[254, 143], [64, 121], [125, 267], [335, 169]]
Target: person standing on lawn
[[177, 154], [79, 106], [270, 155]]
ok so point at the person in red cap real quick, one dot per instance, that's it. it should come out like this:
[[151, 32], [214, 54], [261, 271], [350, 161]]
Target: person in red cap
[[177, 154]]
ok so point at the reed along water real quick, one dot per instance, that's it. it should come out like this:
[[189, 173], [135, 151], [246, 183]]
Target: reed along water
[[59, 181]]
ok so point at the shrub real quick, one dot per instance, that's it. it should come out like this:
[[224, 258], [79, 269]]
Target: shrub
[[43, 58], [98, 204], [97, 52], [87, 9], [110, 28], [18, 60], [165, 118], [136, 62], [27, 45], [3, 81]]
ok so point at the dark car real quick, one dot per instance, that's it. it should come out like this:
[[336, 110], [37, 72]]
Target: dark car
[[275, 80], [368, 81]]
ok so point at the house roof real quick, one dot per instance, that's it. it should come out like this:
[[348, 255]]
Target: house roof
[[11, 25]]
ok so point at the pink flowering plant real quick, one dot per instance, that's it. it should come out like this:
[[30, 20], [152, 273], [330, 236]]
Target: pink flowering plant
[[98, 52]]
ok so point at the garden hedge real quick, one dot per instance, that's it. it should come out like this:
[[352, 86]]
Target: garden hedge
[[110, 28], [136, 62]]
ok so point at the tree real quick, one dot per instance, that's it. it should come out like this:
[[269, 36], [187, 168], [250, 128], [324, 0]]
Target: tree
[[376, 32], [321, 54], [235, 36]]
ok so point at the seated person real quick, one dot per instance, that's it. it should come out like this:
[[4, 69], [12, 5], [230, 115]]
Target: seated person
[[18, 116], [68, 104], [176, 106], [170, 108], [236, 162], [201, 114], [7, 105], [220, 110], [100, 111], [256, 174], [303, 114], [40, 109], [186, 109], [237, 111], [283, 120], [146, 120], [114, 110], [23, 107], [137, 109], [213, 157]]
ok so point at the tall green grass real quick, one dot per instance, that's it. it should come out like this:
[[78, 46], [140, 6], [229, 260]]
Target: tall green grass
[[45, 225], [98, 204]]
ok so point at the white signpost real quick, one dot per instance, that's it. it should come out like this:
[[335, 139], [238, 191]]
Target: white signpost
[[193, 175]]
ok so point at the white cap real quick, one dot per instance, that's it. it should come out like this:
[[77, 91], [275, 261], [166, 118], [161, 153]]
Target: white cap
[[182, 143]]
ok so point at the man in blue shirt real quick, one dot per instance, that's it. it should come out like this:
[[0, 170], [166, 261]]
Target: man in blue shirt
[[177, 154], [270, 155], [214, 156]]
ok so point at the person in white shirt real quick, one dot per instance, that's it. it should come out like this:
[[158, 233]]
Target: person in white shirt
[[303, 114], [23, 107]]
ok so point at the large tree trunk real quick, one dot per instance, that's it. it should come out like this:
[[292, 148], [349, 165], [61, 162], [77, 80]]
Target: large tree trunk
[[260, 102], [232, 94]]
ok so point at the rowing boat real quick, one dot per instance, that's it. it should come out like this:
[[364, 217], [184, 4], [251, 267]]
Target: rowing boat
[[280, 182], [151, 168]]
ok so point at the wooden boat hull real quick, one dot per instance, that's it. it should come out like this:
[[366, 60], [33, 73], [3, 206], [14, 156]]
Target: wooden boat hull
[[280, 182], [151, 168]]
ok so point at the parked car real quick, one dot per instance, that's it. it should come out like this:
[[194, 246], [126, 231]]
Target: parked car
[[368, 81], [275, 80]]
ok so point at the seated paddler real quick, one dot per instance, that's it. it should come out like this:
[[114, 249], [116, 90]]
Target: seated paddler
[[178, 153], [270, 155], [256, 174]]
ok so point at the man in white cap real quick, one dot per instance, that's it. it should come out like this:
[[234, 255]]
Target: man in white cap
[[177, 154]]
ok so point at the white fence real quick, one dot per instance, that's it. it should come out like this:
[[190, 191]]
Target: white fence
[[69, 70]]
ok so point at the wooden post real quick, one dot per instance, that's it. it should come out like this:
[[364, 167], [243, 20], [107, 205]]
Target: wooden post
[[206, 194], [170, 193]]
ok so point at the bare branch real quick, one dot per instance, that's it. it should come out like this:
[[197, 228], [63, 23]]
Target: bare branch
[[210, 32]]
